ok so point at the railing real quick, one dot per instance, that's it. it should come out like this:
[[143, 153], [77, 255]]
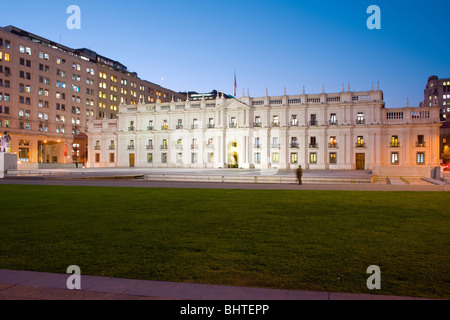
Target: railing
[[131, 128], [313, 146], [313, 123], [211, 126], [257, 125], [421, 144], [179, 147], [276, 146], [233, 125], [194, 126], [179, 127], [112, 147], [294, 145], [194, 147], [164, 147], [333, 123], [98, 148], [150, 128], [149, 147], [395, 144], [257, 146], [361, 145], [210, 146], [275, 124], [294, 124], [130, 148], [164, 128], [333, 145], [360, 121]]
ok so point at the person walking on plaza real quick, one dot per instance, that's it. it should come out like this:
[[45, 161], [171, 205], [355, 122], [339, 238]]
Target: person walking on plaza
[[300, 175]]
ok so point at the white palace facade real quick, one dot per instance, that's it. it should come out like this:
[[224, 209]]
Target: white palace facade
[[340, 131]]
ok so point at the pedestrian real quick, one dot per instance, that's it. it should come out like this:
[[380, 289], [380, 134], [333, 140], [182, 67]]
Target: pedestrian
[[300, 175]]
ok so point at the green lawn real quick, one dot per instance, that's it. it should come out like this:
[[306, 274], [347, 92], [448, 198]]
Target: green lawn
[[307, 240]]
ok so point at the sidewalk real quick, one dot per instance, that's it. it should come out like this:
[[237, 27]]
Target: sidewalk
[[27, 285]]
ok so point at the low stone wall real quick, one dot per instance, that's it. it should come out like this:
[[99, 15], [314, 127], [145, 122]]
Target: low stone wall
[[8, 161], [403, 171]]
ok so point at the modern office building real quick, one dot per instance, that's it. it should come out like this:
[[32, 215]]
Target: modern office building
[[437, 94], [346, 130], [50, 92]]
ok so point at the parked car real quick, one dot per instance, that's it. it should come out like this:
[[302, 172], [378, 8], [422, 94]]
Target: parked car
[[446, 166]]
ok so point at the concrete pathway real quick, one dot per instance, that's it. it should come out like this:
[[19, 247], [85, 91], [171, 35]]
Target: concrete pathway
[[26, 285]]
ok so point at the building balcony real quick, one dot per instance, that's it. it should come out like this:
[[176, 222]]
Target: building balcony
[[112, 148], [210, 146], [275, 124], [295, 146], [421, 144], [314, 123], [275, 146], [211, 126], [194, 147], [333, 145], [395, 144], [150, 128], [130, 147], [194, 126], [361, 145], [164, 147], [179, 127], [131, 129], [164, 128], [178, 147], [98, 148], [361, 121], [257, 125], [313, 146], [333, 122], [149, 147], [294, 124], [257, 146], [233, 125]]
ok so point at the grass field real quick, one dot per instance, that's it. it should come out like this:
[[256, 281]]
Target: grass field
[[306, 240]]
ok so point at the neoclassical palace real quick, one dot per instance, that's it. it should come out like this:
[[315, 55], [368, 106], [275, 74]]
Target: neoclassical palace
[[346, 130]]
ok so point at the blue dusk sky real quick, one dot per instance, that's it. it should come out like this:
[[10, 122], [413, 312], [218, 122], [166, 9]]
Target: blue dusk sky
[[197, 45]]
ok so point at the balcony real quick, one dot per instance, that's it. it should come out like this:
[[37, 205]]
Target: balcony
[[150, 128], [360, 145], [179, 147], [164, 128], [194, 126], [421, 144], [333, 122], [179, 127], [313, 146], [149, 147], [131, 129], [164, 147], [275, 146], [112, 147], [98, 148], [313, 123], [211, 126], [275, 124], [130, 147], [294, 124], [233, 125], [257, 125], [360, 121], [210, 147], [257, 146], [333, 145], [295, 146], [194, 147], [395, 144]]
